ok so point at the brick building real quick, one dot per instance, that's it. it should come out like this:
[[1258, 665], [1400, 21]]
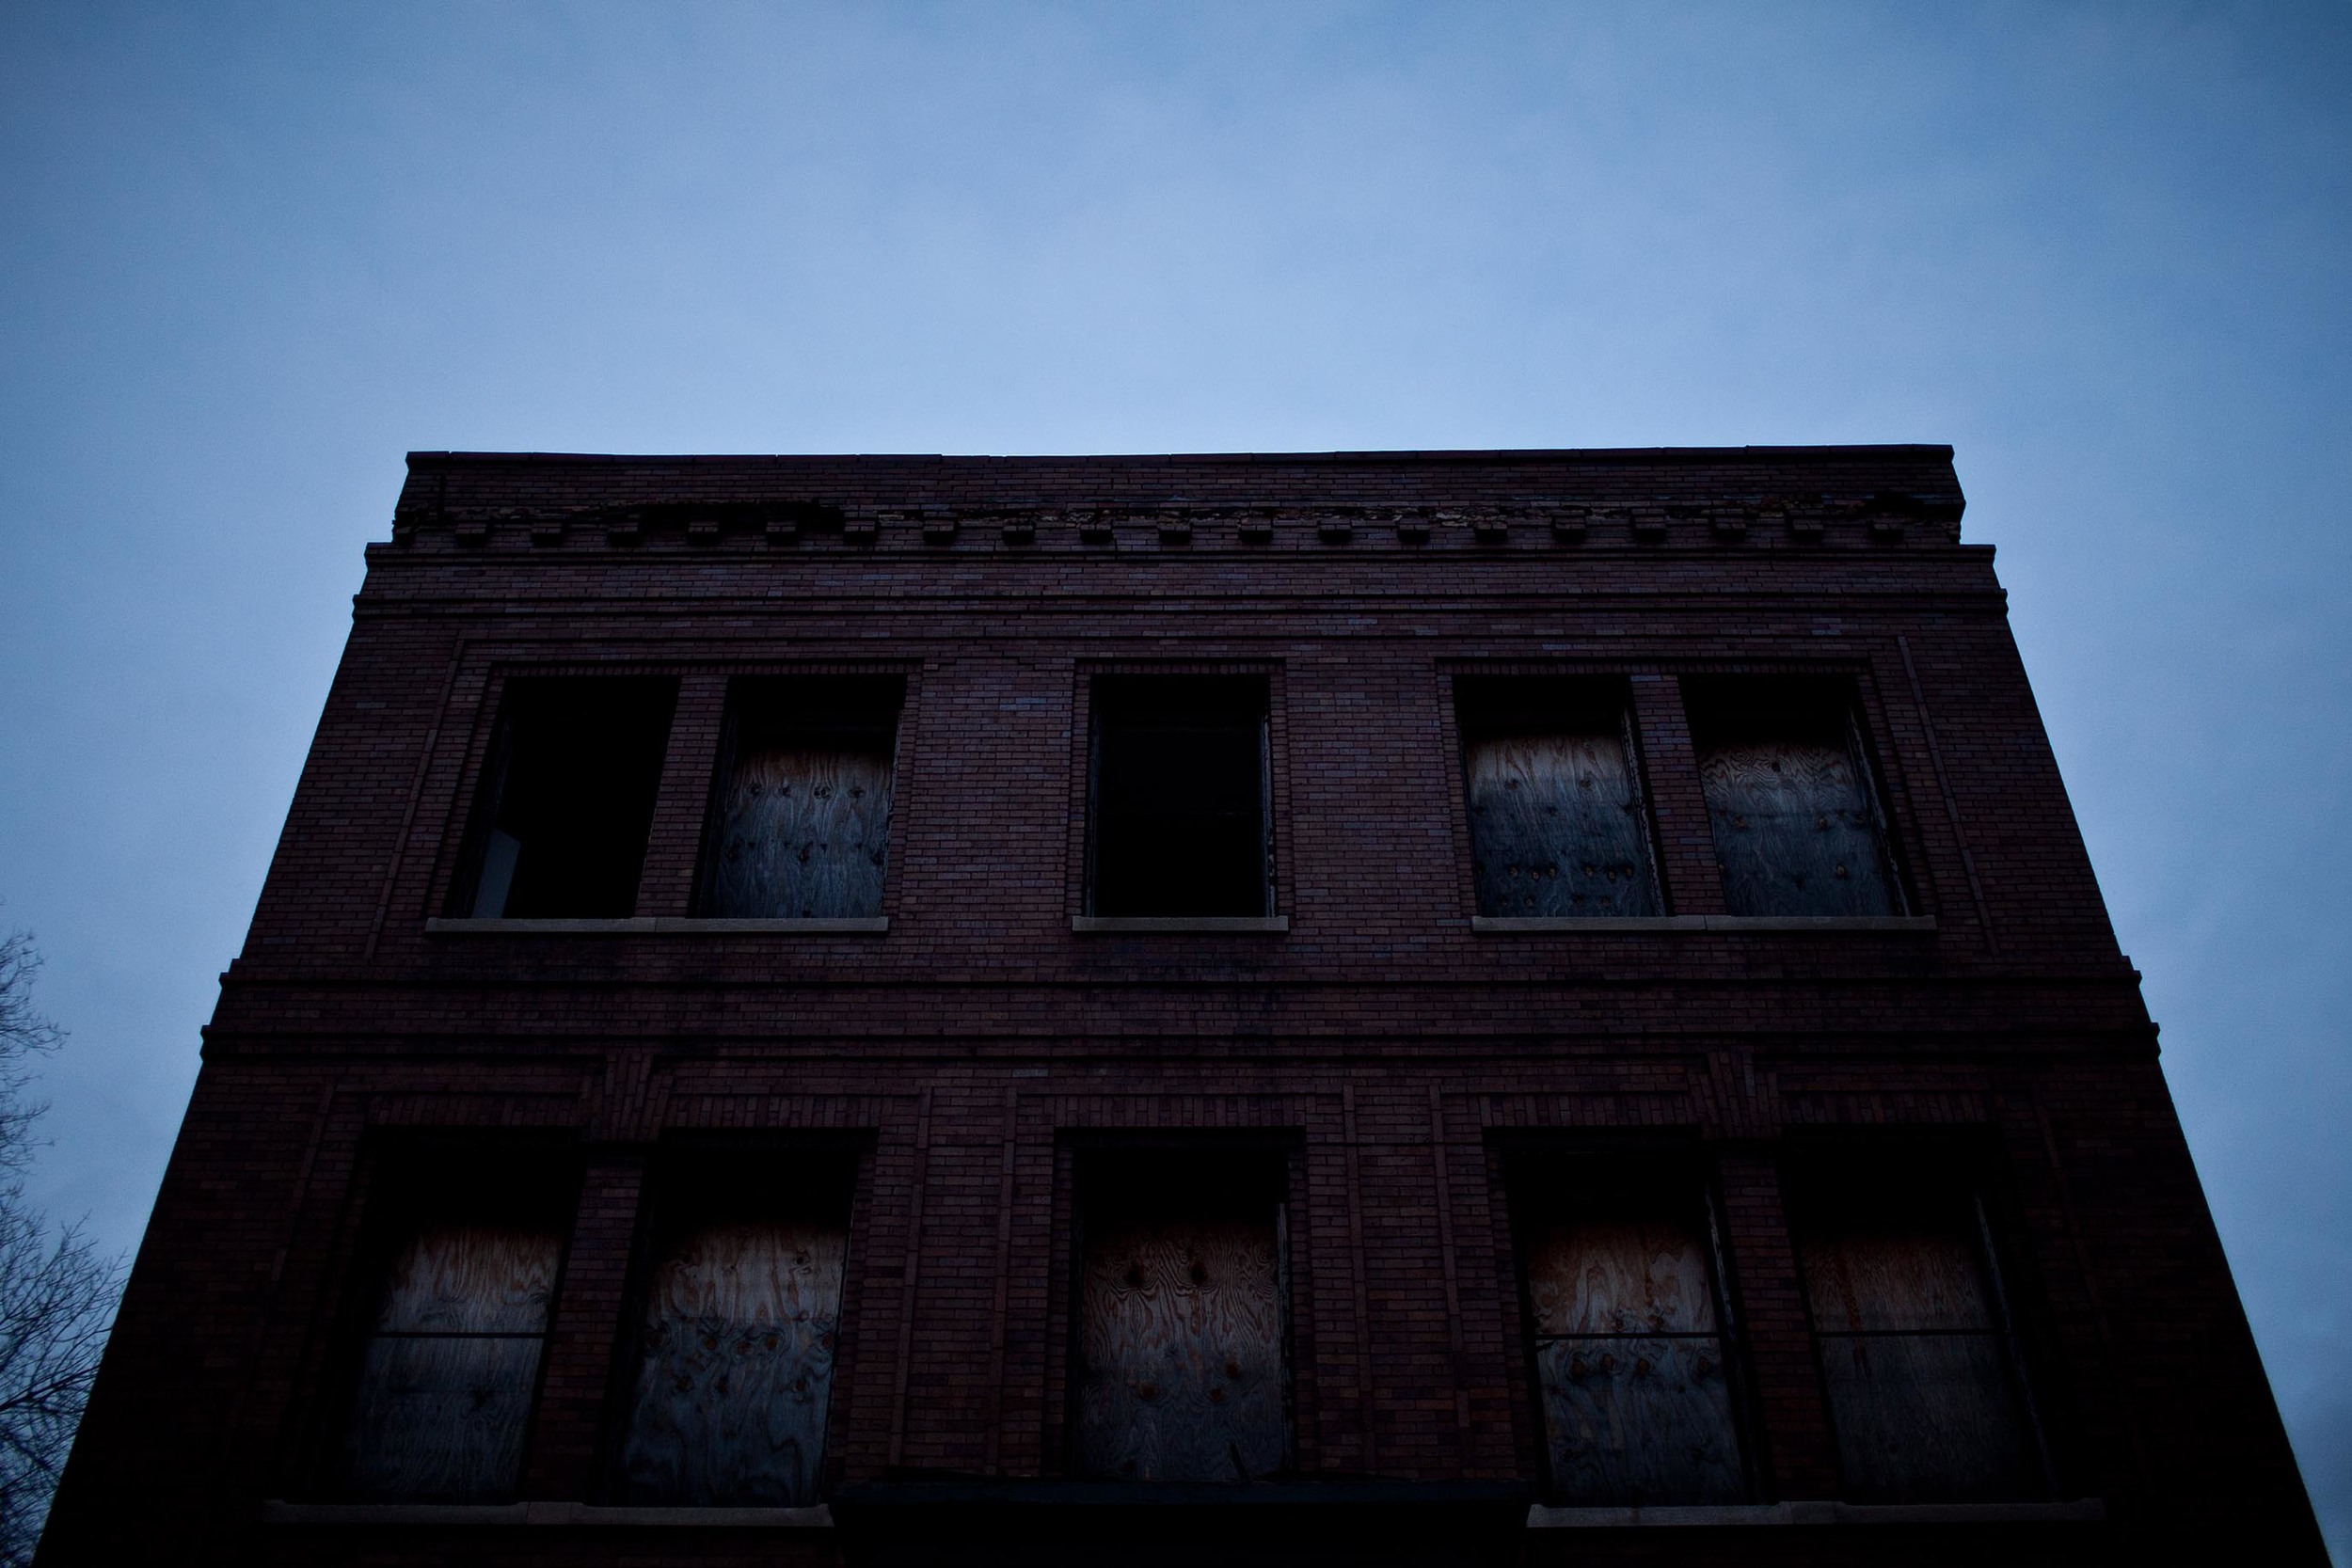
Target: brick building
[[1480, 1006]]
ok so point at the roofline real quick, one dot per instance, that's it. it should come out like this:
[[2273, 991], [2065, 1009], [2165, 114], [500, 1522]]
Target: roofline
[[1597, 456]]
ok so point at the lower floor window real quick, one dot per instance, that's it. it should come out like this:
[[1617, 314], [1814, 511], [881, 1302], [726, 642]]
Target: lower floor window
[[450, 1364], [1914, 1335], [1183, 1319], [741, 1313], [1631, 1356]]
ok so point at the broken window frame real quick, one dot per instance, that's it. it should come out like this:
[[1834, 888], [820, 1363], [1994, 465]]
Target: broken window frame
[[1954, 1178], [698, 1186], [1486, 702], [1136, 1176], [483, 861], [1706, 698], [1545, 1186], [1104, 695], [416, 1187], [798, 704]]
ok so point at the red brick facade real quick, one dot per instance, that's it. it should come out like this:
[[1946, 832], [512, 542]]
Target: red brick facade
[[1398, 1063]]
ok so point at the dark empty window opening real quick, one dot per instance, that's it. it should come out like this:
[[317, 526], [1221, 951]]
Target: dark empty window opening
[[451, 1339], [1630, 1328], [740, 1312], [1799, 828], [1181, 1332], [1557, 824], [1181, 816], [1913, 1330], [800, 819], [566, 802]]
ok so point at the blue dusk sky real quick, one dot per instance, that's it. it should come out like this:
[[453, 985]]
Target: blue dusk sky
[[254, 254]]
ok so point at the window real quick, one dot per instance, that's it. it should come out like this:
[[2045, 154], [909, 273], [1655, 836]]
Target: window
[[1628, 1318], [736, 1341], [1798, 823], [566, 802], [1181, 1327], [799, 822], [450, 1348], [1914, 1335], [1557, 823], [1180, 813]]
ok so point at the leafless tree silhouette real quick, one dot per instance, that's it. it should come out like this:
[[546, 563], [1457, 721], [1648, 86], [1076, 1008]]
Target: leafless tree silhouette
[[57, 1293]]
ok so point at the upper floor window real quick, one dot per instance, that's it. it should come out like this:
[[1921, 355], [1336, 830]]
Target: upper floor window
[[1183, 1326], [566, 802], [1180, 814], [1914, 1337], [1557, 823], [800, 816], [1799, 827], [1628, 1321]]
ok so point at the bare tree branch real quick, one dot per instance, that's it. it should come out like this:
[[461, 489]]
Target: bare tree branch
[[57, 1293]]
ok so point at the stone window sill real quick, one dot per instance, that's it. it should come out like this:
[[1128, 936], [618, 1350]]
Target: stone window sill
[[1102, 925], [1487, 925], [2087, 1511], [564, 1514], [659, 925]]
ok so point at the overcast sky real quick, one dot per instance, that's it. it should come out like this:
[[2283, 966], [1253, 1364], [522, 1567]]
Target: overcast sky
[[249, 256]]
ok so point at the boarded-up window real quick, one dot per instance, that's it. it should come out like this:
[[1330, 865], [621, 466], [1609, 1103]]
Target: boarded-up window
[[800, 825], [736, 1338], [1630, 1345], [1914, 1336], [450, 1363], [1180, 821], [1798, 824], [1182, 1322], [567, 800], [1557, 824]]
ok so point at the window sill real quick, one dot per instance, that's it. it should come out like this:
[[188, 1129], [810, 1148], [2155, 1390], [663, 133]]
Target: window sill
[[1099, 926], [1488, 925], [659, 925], [2087, 1511], [564, 1514]]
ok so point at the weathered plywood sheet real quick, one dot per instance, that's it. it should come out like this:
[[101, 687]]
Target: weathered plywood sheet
[[1637, 1401], [1556, 827], [1640, 1420], [806, 834], [1621, 1277], [1794, 829], [1181, 1332], [447, 1378], [1920, 1386], [736, 1381]]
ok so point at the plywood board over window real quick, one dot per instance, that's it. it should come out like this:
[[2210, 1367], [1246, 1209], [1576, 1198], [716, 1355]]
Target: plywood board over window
[[799, 821], [741, 1315], [1181, 1324], [1914, 1334], [1558, 827], [1799, 826], [1631, 1346], [448, 1360]]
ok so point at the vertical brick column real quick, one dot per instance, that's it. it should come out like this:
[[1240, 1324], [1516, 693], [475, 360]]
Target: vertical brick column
[[566, 1438], [667, 885], [1800, 1461], [1686, 845]]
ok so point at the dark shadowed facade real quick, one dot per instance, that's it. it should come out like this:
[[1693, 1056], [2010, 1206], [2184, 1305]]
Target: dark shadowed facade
[[1463, 1007]]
